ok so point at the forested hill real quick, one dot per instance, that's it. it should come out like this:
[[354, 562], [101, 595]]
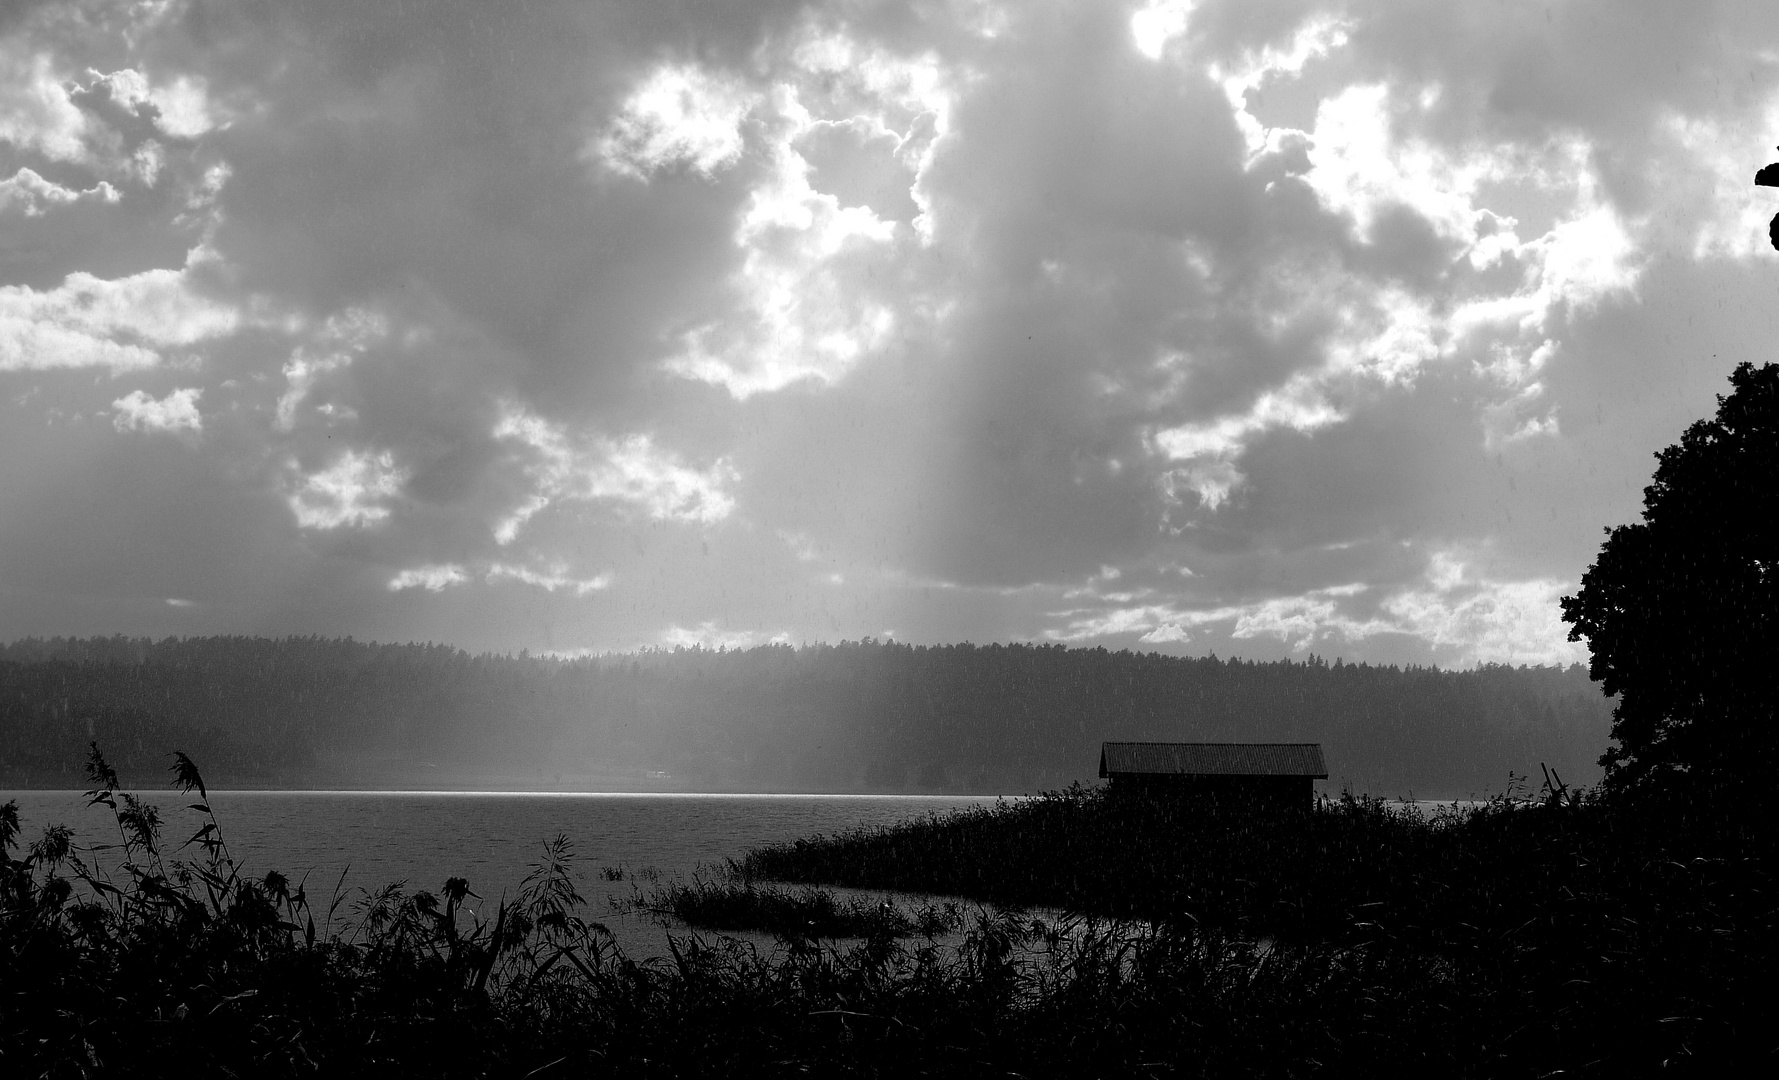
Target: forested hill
[[864, 716]]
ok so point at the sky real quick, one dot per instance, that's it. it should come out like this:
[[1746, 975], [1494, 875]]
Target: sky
[[1251, 328]]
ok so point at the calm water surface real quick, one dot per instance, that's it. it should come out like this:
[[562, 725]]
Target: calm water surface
[[490, 838]]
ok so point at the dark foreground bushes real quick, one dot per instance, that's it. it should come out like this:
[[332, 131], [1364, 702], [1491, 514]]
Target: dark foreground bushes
[[1516, 941], [1522, 936]]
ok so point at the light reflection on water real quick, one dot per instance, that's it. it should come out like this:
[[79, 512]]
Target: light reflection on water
[[492, 838]]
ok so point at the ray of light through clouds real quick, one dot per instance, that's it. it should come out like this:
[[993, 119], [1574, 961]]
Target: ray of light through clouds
[[1256, 328]]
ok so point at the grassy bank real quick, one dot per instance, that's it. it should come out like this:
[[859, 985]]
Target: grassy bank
[[1514, 941]]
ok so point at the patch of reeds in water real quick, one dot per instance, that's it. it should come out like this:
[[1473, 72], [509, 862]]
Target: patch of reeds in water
[[807, 912]]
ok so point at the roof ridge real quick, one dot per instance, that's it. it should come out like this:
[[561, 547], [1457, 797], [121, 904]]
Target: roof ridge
[[1138, 742]]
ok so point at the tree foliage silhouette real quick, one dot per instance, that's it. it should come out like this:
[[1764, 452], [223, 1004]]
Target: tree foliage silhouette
[[1678, 610]]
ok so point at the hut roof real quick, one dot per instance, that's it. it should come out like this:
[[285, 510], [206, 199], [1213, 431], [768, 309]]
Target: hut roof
[[1213, 759]]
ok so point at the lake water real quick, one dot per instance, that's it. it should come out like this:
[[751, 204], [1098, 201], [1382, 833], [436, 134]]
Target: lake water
[[490, 838]]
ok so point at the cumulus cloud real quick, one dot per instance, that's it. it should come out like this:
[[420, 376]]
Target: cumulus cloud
[[352, 491], [1295, 620], [1272, 62], [106, 122], [32, 195], [176, 412], [817, 291], [124, 323], [678, 115], [1483, 619], [180, 108], [1464, 616], [1208, 450], [437, 577], [630, 472], [1445, 275], [341, 339], [1706, 181], [550, 579], [1155, 24], [434, 577], [36, 111]]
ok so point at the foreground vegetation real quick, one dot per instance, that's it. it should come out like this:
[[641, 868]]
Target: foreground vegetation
[[1527, 937]]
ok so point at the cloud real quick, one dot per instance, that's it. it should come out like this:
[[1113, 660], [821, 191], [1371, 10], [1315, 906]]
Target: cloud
[[1486, 620], [799, 316], [435, 577], [1463, 616], [1362, 165], [176, 412], [818, 291], [339, 341], [36, 112], [1705, 179], [103, 122], [1157, 23], [1295, 620], [629, 472], [1314, 38], [1521, 417], [348, 492], [1209, 449], [1444, 276], [678, 115], [556, 577], [707, 635], [180, 109], [121, 323], [973, 319], [31, 193]]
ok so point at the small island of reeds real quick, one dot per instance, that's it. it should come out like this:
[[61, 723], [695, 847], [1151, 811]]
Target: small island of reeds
[[1535, 934]]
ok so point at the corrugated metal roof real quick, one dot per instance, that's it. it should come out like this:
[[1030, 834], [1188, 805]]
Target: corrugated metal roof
[[1213, 759]]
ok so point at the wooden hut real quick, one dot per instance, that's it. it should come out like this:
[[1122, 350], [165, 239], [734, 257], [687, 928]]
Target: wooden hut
[[1242, 777]]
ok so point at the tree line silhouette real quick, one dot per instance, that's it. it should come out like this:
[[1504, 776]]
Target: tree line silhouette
[[855, 716]]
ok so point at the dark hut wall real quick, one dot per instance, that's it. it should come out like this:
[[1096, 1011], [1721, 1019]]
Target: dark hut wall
[[1245, 794]]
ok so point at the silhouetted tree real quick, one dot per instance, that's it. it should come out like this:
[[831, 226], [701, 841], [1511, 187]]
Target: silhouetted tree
[[1678, 611]]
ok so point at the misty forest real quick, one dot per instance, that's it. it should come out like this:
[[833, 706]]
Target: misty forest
[[857, 716]]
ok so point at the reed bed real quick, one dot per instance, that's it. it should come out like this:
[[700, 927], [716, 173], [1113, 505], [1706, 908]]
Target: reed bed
[[1528, 937], [807, 912]]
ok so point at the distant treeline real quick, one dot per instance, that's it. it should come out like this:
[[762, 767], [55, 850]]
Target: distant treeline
[[857, 716]]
